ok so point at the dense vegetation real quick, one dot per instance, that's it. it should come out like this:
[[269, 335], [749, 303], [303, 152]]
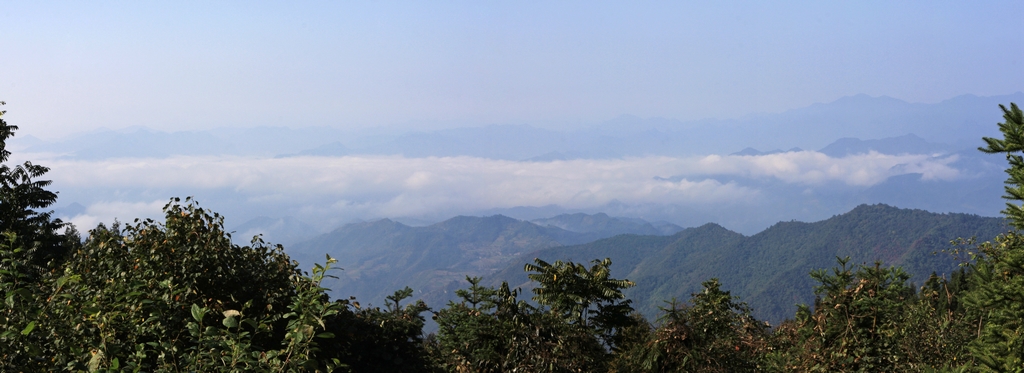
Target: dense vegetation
[[178, 295]]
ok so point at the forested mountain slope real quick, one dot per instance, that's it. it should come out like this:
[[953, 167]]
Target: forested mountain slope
[[769, 270], [381, 256]]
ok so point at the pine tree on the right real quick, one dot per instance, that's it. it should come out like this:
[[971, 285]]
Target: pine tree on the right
[[998, 279]]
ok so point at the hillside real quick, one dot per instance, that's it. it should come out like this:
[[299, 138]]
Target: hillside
[[382, 256], [769, 270]]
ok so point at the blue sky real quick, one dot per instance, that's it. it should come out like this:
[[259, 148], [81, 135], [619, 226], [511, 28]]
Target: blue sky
[[76, 66]]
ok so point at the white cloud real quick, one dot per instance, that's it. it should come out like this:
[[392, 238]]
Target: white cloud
[[108, 211], [809, 167], [378, 186]]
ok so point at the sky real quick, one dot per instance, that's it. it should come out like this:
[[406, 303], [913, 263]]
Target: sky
[[74, 66]]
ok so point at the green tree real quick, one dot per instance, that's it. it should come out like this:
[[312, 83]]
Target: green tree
[[997, 293], [31, 242], [177, 296], [588, 298], [491, 330], [856, 323], [715, 333], [162, 269], [937, 326], [21, 196], [998, 279], [380, 340], [1011, 144]]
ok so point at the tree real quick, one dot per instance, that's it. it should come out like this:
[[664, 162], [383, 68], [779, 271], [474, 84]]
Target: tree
[[491, 330], [998, 279], [21, 195], [380, 340], [997, 293], [177, 295], [132, 291], [30, 243], [715, 333], [589, 298], [1011, 144], [856, 322]]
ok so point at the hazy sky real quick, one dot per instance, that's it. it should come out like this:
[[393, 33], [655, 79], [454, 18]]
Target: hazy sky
[[74, 66]]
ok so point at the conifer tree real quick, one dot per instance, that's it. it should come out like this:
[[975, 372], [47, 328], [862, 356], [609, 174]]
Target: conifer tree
[[714, 333], [998, 278], [1012, 144]]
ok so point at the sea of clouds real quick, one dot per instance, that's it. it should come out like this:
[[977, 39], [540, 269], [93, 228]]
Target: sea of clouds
[[330, 190]]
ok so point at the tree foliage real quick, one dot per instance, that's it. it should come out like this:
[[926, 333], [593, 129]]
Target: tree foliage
[[22, 194], [1012, 144], [32, 245], [999, 271], [715, 333], [587, 298], [491, 330], [998, 295], [856, 321]]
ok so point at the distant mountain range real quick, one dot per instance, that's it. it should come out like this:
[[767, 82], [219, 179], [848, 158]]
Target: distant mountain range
[[946, 132], [906, 144], [769, 270], [603, 225], [956, 124]]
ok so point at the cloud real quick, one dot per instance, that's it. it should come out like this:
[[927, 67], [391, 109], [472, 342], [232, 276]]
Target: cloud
[[108, 211], [814, 168], [394, 186]]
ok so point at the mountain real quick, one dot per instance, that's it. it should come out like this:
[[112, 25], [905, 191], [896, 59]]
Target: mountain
[[606, 226], [960, 122], [334, 149], [957, 122], [769, 270], [382, 256], [137, 142], [511, 142], [906, 144], [69, 211], [752, 151]]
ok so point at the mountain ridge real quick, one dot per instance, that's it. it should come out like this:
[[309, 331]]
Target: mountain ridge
[[769, 270], [950, 121], [381, 256]]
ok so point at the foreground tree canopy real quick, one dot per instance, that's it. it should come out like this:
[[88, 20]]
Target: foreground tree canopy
[[177, 295]]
